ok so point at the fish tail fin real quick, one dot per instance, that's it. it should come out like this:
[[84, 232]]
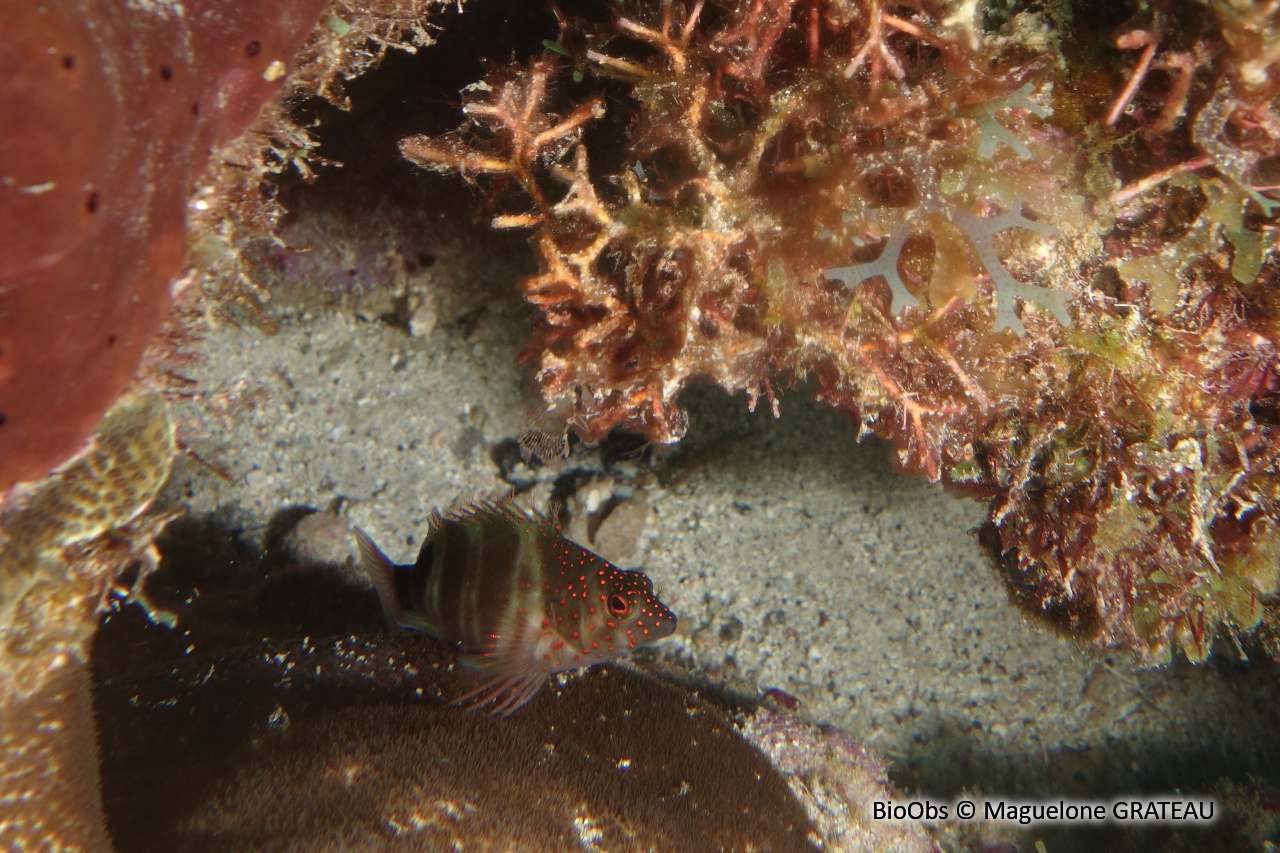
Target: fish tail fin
[[381, 574]]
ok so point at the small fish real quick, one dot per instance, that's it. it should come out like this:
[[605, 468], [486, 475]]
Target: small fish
[[521, 601]]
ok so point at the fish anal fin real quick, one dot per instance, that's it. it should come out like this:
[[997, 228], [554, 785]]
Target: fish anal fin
[[417, 622]]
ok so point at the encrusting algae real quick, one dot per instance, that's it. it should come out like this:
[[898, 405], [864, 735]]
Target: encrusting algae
[[520, 600], [62, 544]]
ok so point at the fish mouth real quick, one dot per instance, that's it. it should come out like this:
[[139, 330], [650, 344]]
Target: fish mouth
[[666, 623]]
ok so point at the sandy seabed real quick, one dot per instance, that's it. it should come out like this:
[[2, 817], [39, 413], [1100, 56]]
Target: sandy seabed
[[795, 557]]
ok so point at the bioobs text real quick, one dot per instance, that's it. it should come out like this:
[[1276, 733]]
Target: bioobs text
[[913, 810]]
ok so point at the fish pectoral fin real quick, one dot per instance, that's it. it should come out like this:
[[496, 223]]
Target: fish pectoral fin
[[504, 688]]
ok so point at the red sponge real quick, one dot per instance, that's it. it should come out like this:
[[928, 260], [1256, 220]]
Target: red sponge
[[108, 111]]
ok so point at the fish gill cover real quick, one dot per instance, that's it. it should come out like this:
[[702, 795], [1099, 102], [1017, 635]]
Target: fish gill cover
[[1070, 212]]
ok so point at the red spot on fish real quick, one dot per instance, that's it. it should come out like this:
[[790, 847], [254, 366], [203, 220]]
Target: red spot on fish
[[575, 635]]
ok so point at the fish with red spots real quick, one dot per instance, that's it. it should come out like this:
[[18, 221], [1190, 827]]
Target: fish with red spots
[[520, 600]]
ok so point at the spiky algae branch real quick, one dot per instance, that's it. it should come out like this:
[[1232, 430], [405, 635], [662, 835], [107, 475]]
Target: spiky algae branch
[[786, 161], [680, 264]]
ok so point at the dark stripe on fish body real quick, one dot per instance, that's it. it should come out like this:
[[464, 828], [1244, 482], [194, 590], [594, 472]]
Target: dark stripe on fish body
[[496, 557], [408, 580], [451, 577], [426, 555], [412, 581], [476, 570], [479, 610]]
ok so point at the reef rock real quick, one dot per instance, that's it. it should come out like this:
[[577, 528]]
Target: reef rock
[[350, 742], [837, 779]]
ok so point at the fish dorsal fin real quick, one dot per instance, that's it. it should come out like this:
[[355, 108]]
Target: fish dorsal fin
[[434, 524], [499, 506]]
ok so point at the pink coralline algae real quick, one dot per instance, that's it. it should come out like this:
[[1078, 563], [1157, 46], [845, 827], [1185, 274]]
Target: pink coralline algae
[[1045, 274], [838, 781]]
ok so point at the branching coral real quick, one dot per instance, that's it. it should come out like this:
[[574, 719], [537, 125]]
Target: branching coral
[[680, 265], [1081, 320], [354, 37]]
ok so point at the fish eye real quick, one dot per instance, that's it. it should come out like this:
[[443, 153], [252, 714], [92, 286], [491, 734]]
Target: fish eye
[[618, 604]]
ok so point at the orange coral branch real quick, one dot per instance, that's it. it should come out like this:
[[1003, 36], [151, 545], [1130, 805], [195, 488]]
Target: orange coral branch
[[591, 109], [428, 152], [620, 65], [1139, 187], [1129, 41], [882, 55]]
